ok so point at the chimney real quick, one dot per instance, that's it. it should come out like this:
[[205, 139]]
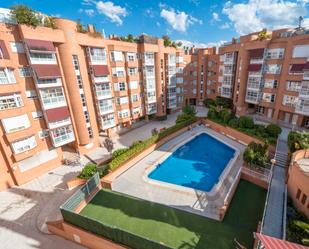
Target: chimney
[[91, 28]]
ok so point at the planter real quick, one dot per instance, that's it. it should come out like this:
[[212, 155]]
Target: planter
[[75, 182]]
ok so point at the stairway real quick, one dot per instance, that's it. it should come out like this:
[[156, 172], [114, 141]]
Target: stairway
[[281, 159]]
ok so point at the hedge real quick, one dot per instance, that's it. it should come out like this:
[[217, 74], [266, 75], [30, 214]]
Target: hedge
[[137, 148]]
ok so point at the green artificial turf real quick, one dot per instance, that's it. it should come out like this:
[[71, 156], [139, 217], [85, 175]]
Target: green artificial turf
[[180, 229]]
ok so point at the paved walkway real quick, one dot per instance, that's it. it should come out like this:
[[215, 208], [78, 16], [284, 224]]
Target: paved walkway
[[24, 210], [133, 181], [140, 133]]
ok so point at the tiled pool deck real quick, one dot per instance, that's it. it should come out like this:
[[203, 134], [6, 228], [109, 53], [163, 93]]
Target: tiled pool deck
[[133, 182]]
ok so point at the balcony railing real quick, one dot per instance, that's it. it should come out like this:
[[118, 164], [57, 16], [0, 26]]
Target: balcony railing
[[108, 124], [106, 109], [105, 94], [302, 108], [62, 138]]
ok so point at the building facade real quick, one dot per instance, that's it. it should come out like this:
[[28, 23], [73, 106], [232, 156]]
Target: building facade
[[60, 88], [266, 75]]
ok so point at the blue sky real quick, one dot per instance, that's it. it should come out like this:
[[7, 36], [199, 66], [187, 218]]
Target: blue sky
[[197, 21]]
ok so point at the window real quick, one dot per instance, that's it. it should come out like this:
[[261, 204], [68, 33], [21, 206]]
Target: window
[[271, 83], [134, 98], [24, 144], [136, 111], [301, 51], [106, 105], [131, 56], [40, 57], [289, 100], [16, 123], [268, 97], [108, 119], [10, 101], [304, 199], [293, 86], [122, 100], [123, 114], [116, 56], [37, 115], [298, 194], [132, 71], [31, 94], [49, 81], [118, 71], [120, 86], [43, 133], [62, 134], [24, 72], [52, 96], [273, 68], [17, 47], [7, 76], [275, 53], [103, 89], [133, 85], [97, 55]]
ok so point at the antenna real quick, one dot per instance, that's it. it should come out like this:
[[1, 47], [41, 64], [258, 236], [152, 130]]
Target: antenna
[[300, 20]]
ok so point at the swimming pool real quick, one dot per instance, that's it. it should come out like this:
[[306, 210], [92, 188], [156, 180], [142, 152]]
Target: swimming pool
[[197, 164]]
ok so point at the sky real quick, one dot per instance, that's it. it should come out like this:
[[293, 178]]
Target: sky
[[198, 22]]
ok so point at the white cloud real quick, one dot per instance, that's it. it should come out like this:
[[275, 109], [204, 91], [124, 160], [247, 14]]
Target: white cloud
[[255, 15], [225, 25], [113, 12], [178, 20], [186, 43], [89, 12], [215, 17]]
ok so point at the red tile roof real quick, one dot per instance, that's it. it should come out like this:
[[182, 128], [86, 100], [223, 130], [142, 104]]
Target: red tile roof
[[274, 243], [47, 71]]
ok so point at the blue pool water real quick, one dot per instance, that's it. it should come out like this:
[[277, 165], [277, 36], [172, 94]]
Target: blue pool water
[[197, 164]]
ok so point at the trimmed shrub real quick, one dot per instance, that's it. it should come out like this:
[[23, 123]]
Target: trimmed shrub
[[224, 102], [246, 122], [212, 113], [139, 146], [88, 171], [256, 154], [209, 102], [118, 152], [183, 117], [273, 130], [161, 118], [234, 122], [225, 116], [189, 110]]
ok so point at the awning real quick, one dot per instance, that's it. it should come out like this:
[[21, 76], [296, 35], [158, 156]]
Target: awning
[[274, 243], [256, 53], [57, 114], [306, 67], [40, 46], [100, 70], [254, 67], [297, 68], [4, 54], [47, 71]]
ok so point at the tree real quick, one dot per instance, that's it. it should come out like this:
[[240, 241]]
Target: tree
[[79, 27], [298, 140], [108, 145], [22, 14], [225, 116], [190, 110], [246, 122], [209, 102], [273, 130], [130, 38], [256, 154], [49, 22], [183, 117], [154, 131]]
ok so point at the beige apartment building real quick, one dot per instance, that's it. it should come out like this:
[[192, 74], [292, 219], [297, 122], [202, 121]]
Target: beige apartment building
[[60, 88]]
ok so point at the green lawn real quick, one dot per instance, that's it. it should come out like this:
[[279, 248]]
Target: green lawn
[[179, 229]]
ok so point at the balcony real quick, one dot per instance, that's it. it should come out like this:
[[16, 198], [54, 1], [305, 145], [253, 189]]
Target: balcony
[[302, 107], [108, 121], [148, 59], [106, 109], [151, 109], [48, 83], [253, 97], [43, 58], [62, 135], [226, 92]]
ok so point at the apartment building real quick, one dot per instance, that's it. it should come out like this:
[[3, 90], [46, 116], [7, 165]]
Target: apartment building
[[268, 76], [60, 88]]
